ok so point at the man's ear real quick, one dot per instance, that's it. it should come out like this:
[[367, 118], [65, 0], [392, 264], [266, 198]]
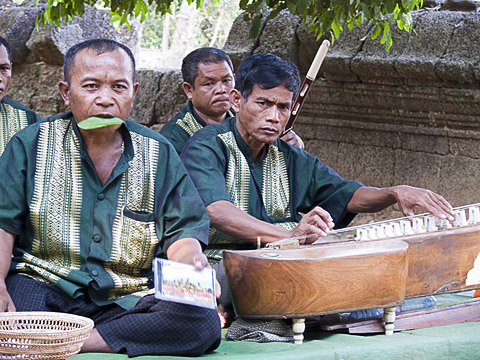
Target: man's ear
[[188, 89], [135, 89], [63, 89], [235, 99]]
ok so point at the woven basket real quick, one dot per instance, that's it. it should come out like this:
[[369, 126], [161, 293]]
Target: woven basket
[[42, 335]]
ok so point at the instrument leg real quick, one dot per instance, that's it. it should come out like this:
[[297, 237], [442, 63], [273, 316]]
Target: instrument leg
[[389, 317], [298, 327]]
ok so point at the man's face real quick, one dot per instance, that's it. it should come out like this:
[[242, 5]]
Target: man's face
[[262, 118], [211, 89], [100, 85], [5, 71]]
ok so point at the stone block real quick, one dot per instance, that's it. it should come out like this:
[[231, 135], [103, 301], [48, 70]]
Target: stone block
[[36, 86], [239, 45], [51, 43], [461, 63], [143, 109], [16, 26], [278, 36], [338, 61], [427, 44], [374, 64], [170, 97]]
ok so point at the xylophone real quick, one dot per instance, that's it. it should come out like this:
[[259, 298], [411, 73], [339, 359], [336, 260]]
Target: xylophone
[[362, 267]]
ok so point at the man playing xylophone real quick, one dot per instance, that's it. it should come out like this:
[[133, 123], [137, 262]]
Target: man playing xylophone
[[207, 80], [255, 185]]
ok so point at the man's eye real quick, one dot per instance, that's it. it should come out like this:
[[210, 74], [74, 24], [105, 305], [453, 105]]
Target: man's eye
[[119, 87], [91, 86]]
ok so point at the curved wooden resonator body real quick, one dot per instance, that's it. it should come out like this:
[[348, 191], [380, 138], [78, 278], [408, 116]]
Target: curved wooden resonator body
[[349, 275], [311, 280]]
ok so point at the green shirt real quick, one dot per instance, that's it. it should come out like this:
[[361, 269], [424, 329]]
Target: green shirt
[[13, 118], [286, 182], [182, 126], [86, 237]]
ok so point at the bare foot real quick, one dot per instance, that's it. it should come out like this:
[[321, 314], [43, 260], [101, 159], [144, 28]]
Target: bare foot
[[95, 343], [225, 317]]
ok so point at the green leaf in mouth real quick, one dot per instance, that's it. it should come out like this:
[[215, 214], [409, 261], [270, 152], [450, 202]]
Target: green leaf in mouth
[[96, 122]]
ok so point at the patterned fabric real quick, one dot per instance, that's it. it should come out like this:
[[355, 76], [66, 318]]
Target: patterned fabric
[[13, 118], [152, 327], [189, 124], [275, 189], [287, 181], [83, 236], [183, 125], [259, 331]]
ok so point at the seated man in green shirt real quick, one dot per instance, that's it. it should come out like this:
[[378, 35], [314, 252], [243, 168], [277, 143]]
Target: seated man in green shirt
[[207, 81], [13, 116], [254, 185], [84, 213]]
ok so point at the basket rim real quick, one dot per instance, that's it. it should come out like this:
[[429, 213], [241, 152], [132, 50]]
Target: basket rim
[[83, 321]]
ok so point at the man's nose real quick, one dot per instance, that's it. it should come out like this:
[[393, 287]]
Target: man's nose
[[105, 97], [221, 88], [273, 114]]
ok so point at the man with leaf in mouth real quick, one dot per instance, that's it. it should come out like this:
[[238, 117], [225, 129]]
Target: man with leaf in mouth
[[90, 199]]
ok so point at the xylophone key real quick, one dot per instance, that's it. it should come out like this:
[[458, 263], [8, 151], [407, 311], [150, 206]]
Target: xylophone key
[[473, 215], [406, 227], [418, 226], [460, 218], [430, 224], [388, 230], [445, 224]]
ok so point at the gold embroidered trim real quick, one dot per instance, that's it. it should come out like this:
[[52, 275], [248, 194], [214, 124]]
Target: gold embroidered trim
[[135, 242], [189, 124], [275, 189], [12, 120], [57, 201]]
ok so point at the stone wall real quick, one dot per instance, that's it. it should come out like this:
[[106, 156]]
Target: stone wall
[[407, 116]]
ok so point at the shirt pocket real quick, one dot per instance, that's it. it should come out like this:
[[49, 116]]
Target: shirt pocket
[[140, 216], [139, 242]]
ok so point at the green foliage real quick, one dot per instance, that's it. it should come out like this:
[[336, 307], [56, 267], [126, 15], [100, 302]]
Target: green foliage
[[321, 16]]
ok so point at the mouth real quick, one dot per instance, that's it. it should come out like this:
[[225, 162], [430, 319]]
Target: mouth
[[270, 131], [225, 100]]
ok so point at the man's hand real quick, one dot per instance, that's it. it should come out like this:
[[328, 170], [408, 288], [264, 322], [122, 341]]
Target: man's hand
[[293, 139], [411, 198], [6, 303], [317, 221], [6, 247], [189, 251]]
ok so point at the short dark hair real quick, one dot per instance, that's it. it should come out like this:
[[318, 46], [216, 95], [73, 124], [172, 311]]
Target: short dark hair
[[204, 55], [266, 71], [100, 46], [9, 51]]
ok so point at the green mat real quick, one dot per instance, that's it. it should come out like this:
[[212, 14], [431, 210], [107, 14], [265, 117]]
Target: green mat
[[458, 341]]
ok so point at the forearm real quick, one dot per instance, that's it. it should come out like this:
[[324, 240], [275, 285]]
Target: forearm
[[231, 220], [370, 199]]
